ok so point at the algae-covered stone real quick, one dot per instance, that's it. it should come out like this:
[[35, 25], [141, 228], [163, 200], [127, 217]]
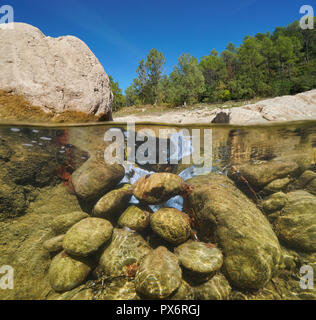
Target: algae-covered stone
[[307, 177], [184, 292], [113, 203], [135, 218], [199, 257], [117, 289], [171, 224], [275, 202], [308, 181], [159, 274], [217, 288], [226, 216], [94, 178], [158, 187], [277, 185], [66, 273], [124, 249], [87, 236], [296, 225], [63, 223], [55, 244], [259, 175]]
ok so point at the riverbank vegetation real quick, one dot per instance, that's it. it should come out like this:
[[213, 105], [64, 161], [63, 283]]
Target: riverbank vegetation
[[265, 65]]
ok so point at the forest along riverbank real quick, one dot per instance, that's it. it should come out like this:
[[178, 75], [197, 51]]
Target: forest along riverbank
[[71, 235]]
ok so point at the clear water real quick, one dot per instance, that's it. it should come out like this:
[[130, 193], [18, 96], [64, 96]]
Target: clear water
[[35, 187]]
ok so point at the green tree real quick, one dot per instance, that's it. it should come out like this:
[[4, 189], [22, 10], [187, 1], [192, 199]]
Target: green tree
[[187, 80], [149, 75], [118, 98], [214, 72]]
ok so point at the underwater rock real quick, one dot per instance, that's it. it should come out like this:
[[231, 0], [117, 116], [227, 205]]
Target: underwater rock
[[296, 225], [306, 178], [63, 223], [94, 178], [275, 202], [117, 289], [199, 259], [87, 236], [79, 293], [159, 274], [158, 187], [171, 224], [308, 181], [112, 204], [217, 288], [259, 175], [277, 185], [135, 218], [125, 248], [223, 214], [5, 150], [12, 200], [184, 292], [55, 244], [66, 273]]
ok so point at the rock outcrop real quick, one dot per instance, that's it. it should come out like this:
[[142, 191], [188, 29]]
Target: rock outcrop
[[56, 74]]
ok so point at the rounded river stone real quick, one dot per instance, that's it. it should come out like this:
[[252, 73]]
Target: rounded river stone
[[87, 236], [171, 224]]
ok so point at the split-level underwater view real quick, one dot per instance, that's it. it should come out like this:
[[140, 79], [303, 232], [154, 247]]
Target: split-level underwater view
[[73, 226]]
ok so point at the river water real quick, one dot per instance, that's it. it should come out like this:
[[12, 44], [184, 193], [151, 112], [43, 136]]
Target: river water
[[249, 204]]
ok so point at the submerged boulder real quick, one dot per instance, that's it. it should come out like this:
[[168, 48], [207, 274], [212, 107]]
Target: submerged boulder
[[87, 236], [226, 216], [125, 248], [112, 204], [135, 218], [296, 224], [66, 273], [54, 244], [275, 202], [217, 288], [94, 178], [259, 175], [199, 258], [171, 224], [158, 187], [64, 222], [159, 274]]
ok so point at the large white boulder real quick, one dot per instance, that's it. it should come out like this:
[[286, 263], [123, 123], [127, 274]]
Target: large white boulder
[[56, 74]]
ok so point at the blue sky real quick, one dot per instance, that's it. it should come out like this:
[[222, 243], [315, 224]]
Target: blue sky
[[121, 33]]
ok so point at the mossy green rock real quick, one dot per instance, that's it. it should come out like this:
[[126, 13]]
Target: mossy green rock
[[184, 292], [296, 225], [171, 224], [306, 178], [275, 202], [66, 273], [55, 244], [158, 187], [198, 257], [63, 223], [259, 175], [87, 236], [217, 288], [226, 216], [95, 178], [112, 204], [277, 185], [159, 274], [124, 249], [134, 218]]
